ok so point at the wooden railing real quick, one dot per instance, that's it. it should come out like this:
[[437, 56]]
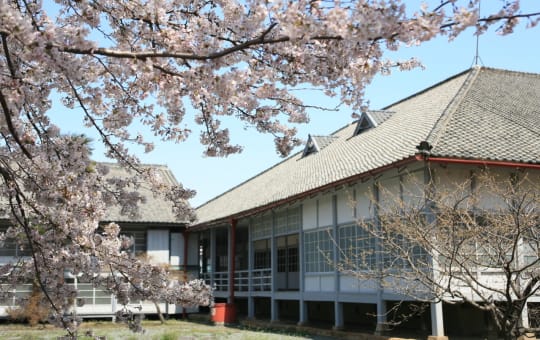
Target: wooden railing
[[261, 280]]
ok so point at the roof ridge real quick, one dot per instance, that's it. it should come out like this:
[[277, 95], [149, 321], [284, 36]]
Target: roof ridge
[[442, 122], [387, 107], [328, 136], [510, 118], [503, 70], [381, 110], [154, 165]]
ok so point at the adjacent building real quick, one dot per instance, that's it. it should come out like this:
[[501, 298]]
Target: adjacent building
[[158, 236]]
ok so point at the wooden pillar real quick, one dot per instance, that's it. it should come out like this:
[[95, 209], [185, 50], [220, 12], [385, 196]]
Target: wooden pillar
[[338, 306], [437, 320], [251, 265], [437, 325], [232, 254], [274, 304], [302, 304], [382, 324], [212, 256]]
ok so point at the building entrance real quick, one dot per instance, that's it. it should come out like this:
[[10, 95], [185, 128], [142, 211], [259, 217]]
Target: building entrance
[[287, 262]]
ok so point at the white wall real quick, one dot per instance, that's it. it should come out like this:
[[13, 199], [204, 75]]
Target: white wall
[[325, 210], [412, 189], [158, 245], [364, 196], [488, 196], [320, 283], [459, 180], [406, 185], [389, 191], [346, 202], [309, 214], [351, 284], [177, 249], [317, 212]]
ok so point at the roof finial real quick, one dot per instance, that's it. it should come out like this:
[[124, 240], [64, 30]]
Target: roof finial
[[477, 59]]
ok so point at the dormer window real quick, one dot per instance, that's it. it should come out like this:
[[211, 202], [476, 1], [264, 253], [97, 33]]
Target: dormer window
[[311, 146], [370, 120], [364, 123], [317, 143]]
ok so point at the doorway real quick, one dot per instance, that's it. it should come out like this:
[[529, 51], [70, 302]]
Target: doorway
[[287, 262]]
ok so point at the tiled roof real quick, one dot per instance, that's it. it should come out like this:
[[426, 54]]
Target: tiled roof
[[155, 209], [317, 143], [323, 141], [481, 113], [497, 118], [379, 116]]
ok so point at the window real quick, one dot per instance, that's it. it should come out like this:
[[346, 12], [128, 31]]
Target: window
[[401, 252], [294, 219], [222, 250], [138, 247], [363, 124], [262, 227], [371, 119], [281, 222], [261, 249], [287, 221], [287, 253], [315, 144], [357, 247], [311, 146], [11, 247], [318, 251], [530, 252]]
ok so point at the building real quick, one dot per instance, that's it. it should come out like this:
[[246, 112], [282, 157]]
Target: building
[[157, 234], [262, 242]]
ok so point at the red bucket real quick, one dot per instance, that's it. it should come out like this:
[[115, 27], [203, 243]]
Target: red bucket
[[224, 313]]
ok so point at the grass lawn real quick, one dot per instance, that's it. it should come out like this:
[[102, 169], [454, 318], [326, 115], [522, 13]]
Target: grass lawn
[[154, 330]]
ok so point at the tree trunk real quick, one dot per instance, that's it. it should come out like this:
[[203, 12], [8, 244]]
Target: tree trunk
[[160, 315]]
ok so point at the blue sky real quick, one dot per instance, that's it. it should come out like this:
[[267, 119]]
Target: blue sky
[[442, 59]]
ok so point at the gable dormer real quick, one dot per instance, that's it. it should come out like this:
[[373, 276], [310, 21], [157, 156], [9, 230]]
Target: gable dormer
[[370, 120], [364, 123], [311, 146], [317, 143]]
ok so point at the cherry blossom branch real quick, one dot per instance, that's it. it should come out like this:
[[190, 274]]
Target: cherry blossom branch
[[495, 18], [260, 40], [11, 128], [103, 135], [3, 102], [8, 56]]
